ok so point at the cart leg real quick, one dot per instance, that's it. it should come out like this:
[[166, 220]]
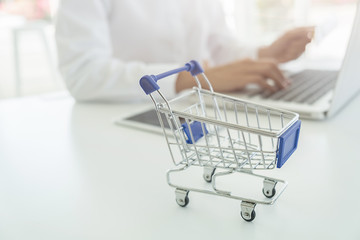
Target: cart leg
[[182, 197], [247, 211], [208, 173], [269, 188]]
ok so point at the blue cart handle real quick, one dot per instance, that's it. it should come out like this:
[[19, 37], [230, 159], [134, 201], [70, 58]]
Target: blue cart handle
[[149, 82]]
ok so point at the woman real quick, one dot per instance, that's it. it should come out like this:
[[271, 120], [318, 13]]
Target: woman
[[105, 46]]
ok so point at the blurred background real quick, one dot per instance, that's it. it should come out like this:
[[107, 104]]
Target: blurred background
[[28, 55]]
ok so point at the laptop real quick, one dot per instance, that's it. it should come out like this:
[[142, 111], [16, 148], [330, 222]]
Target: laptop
[[315, 93]]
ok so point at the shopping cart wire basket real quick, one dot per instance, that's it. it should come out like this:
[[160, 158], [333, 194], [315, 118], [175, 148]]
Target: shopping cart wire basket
[[223, 135]]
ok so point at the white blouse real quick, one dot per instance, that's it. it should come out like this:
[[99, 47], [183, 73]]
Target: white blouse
[[106, 46]]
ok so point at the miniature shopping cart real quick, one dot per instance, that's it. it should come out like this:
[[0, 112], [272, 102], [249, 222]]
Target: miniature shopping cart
[[223, 135]]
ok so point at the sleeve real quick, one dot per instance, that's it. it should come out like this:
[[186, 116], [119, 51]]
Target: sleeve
[[223, 44], [86, 60]]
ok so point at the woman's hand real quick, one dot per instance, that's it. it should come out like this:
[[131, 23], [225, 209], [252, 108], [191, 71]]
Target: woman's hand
[[289, 46], [235, 76]]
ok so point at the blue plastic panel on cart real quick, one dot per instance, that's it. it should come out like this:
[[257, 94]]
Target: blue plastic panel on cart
[[288, 142], [196, 130]]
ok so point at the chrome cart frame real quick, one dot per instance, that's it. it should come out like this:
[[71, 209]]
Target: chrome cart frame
[[215, 131]]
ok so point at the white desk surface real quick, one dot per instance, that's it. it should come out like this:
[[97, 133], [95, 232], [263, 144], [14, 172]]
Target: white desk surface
[[67, 172]]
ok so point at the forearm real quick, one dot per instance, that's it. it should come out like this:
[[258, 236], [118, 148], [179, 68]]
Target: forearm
[[111, 80]]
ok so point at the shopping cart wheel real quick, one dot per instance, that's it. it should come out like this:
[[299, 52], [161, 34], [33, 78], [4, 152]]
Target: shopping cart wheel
[[208, 173], [269, 188], [247, 211], [269, 193], [247, 217], [182, 198]]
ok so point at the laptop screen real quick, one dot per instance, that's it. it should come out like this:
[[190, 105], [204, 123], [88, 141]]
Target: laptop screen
[[348, 83]]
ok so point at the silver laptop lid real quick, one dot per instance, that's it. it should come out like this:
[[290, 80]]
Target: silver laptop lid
[[348, 83]]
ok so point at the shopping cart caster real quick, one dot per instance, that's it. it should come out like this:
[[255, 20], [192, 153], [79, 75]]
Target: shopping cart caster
[[182, 198], [269, 188], [208, 173], [247, 211]]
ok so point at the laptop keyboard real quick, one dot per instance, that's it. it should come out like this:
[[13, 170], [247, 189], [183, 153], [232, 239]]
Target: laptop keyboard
[[306, 87]]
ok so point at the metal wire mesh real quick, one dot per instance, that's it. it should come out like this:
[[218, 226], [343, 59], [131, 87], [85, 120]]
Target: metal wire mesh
[[234, 134]]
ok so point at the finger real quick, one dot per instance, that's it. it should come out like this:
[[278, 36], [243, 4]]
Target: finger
[[277, 76], [311, 34], [267, 85], [259, 80], [244, 80], [270, 70], [304, 37], [305, 34]]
